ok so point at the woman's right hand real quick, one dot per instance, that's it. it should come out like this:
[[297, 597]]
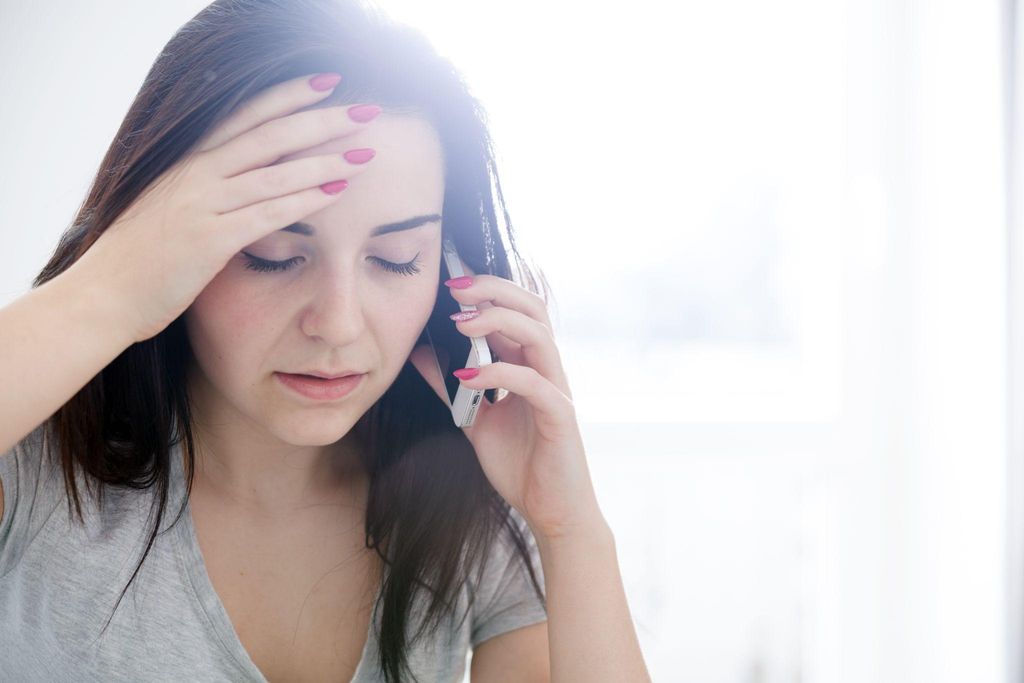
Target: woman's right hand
[[163, 250]]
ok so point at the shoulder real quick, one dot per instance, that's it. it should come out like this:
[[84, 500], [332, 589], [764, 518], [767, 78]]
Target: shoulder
[[505, 548], [31, 483], [27, 463], [509, 633], [517, 522], [509, 592]]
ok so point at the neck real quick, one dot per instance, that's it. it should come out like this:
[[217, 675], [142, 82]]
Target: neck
[[242, 466]]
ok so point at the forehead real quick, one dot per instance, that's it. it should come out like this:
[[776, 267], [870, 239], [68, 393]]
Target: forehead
[[402, 142], [405, 178]]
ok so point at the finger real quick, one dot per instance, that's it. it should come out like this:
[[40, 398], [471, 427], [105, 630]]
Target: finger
[[499, 344], [270, 103], [284, 178], [553, 410], [504, 348], [244, 226], [507, 348], [538, 348], [499, 291], [274, 139]]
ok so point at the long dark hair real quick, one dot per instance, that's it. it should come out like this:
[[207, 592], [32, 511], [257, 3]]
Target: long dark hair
[[427, 489]]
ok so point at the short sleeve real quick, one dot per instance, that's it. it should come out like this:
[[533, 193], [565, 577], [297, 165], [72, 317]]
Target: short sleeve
[[505, 598], [30, 486]]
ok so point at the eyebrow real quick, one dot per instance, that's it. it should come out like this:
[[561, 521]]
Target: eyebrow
[[408, 224]]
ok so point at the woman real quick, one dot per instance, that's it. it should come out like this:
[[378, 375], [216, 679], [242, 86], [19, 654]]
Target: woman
[[272, 208]]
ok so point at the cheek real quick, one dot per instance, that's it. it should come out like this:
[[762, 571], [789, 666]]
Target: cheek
[[224, 326], [426, 297], [404, 315]]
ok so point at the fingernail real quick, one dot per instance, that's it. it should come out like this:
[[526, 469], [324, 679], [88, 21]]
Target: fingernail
[[363, 112], [460, 282], [359, 156], [334, 187], [466, 373], [463, 316], [324, 81]]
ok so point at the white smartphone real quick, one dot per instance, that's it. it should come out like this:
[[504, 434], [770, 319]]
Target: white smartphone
[[452, 349]]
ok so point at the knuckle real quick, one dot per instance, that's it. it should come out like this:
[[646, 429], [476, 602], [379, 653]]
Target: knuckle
[[246, 111], [328, 119], [569, 408], [270, 213], [265, 134], [196, 184], [332, 166], [536, 300], [210, 139], [206, 163], [199, 164], [544, 330], [186, 200], [273, 178]]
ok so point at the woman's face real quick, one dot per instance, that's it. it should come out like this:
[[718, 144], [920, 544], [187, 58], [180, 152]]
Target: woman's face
[[337, 308]]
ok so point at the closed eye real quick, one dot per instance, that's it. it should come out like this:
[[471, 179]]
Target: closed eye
[[265, 266], [407, 268]]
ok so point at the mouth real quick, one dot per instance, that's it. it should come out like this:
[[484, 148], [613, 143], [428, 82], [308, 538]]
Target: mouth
[[316, 374], [321, 388]]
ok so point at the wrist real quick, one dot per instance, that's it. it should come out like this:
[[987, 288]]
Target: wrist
[[593, 533], [96, 307]]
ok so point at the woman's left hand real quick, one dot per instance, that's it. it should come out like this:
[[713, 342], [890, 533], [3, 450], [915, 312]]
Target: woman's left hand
[[528, 442]]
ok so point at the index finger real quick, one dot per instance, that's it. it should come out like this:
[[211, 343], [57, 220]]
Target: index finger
[[271, 103]]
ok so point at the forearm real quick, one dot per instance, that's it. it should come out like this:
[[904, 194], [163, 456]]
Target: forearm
[[590, 629], [53, 340]]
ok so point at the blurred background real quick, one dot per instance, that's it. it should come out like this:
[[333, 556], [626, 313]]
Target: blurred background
[[785, 241]]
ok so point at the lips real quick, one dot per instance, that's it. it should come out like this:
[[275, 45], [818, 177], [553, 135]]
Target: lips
[[321, 389], [327, 375]]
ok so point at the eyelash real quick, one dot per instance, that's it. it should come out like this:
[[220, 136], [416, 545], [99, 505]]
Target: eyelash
[[265, 266]]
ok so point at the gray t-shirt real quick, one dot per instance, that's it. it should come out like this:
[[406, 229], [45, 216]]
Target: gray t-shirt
[[59, 581]]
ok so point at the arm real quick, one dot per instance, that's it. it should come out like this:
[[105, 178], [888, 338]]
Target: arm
[[518, 656], [53, 340], [530, 447], [589, 634], [590, 630]]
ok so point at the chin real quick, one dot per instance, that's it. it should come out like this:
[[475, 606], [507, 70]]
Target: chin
[[323, 429]]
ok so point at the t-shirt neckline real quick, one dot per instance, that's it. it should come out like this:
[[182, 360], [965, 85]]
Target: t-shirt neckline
[[213, 608]]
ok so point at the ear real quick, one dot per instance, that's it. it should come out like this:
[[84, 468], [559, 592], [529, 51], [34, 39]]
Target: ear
[[422, 358]]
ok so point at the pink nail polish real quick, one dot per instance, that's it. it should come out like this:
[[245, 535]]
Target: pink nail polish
[[324, 81], [334, 187], [460, 282], [363, 112], [466, 373], [463, 316], [359, 156]]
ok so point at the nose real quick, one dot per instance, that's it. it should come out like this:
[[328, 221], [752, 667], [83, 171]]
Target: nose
[[335, 312]]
